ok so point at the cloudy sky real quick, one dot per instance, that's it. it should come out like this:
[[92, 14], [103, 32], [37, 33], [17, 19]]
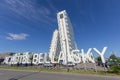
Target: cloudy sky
[[27, 25]]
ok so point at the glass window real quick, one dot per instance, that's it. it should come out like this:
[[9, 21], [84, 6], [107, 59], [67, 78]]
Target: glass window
[[61, 16], [35, 55]]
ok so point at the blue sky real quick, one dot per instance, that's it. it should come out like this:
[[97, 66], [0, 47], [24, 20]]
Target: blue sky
[[27, 25]]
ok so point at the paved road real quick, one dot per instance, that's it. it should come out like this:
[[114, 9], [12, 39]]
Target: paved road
[[24, 75]]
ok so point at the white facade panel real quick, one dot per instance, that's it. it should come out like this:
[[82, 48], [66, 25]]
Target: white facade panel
[[66, 35]]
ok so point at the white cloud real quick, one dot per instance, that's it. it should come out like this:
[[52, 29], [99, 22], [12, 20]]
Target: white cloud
[[21, 36], [29, 10]]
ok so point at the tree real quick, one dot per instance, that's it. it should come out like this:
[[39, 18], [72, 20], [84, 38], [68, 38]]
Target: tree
[[55, 59], [21, 53], [31, 58], [113, 58], [98, 59]]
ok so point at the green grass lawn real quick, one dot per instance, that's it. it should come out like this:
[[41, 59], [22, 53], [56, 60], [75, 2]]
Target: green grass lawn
[[59, 70]]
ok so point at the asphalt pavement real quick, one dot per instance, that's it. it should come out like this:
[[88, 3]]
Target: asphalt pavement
[[26, 75]]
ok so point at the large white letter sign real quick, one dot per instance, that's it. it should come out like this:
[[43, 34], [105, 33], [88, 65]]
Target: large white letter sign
[[101, 53], [83, 57], [76, 56], [35, 58]]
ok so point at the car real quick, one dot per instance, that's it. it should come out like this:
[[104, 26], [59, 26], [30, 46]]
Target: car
[[70, 64], [48, 65]]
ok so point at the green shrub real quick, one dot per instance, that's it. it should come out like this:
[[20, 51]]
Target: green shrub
[[115, 69]]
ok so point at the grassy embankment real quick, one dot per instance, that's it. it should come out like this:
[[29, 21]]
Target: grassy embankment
[[36, 69]]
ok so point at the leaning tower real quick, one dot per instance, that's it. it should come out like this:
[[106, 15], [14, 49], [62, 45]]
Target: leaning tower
[[66, 35], [63, 42]]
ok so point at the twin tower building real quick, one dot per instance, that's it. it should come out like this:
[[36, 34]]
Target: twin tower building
[[63, 42], [63, 48]]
